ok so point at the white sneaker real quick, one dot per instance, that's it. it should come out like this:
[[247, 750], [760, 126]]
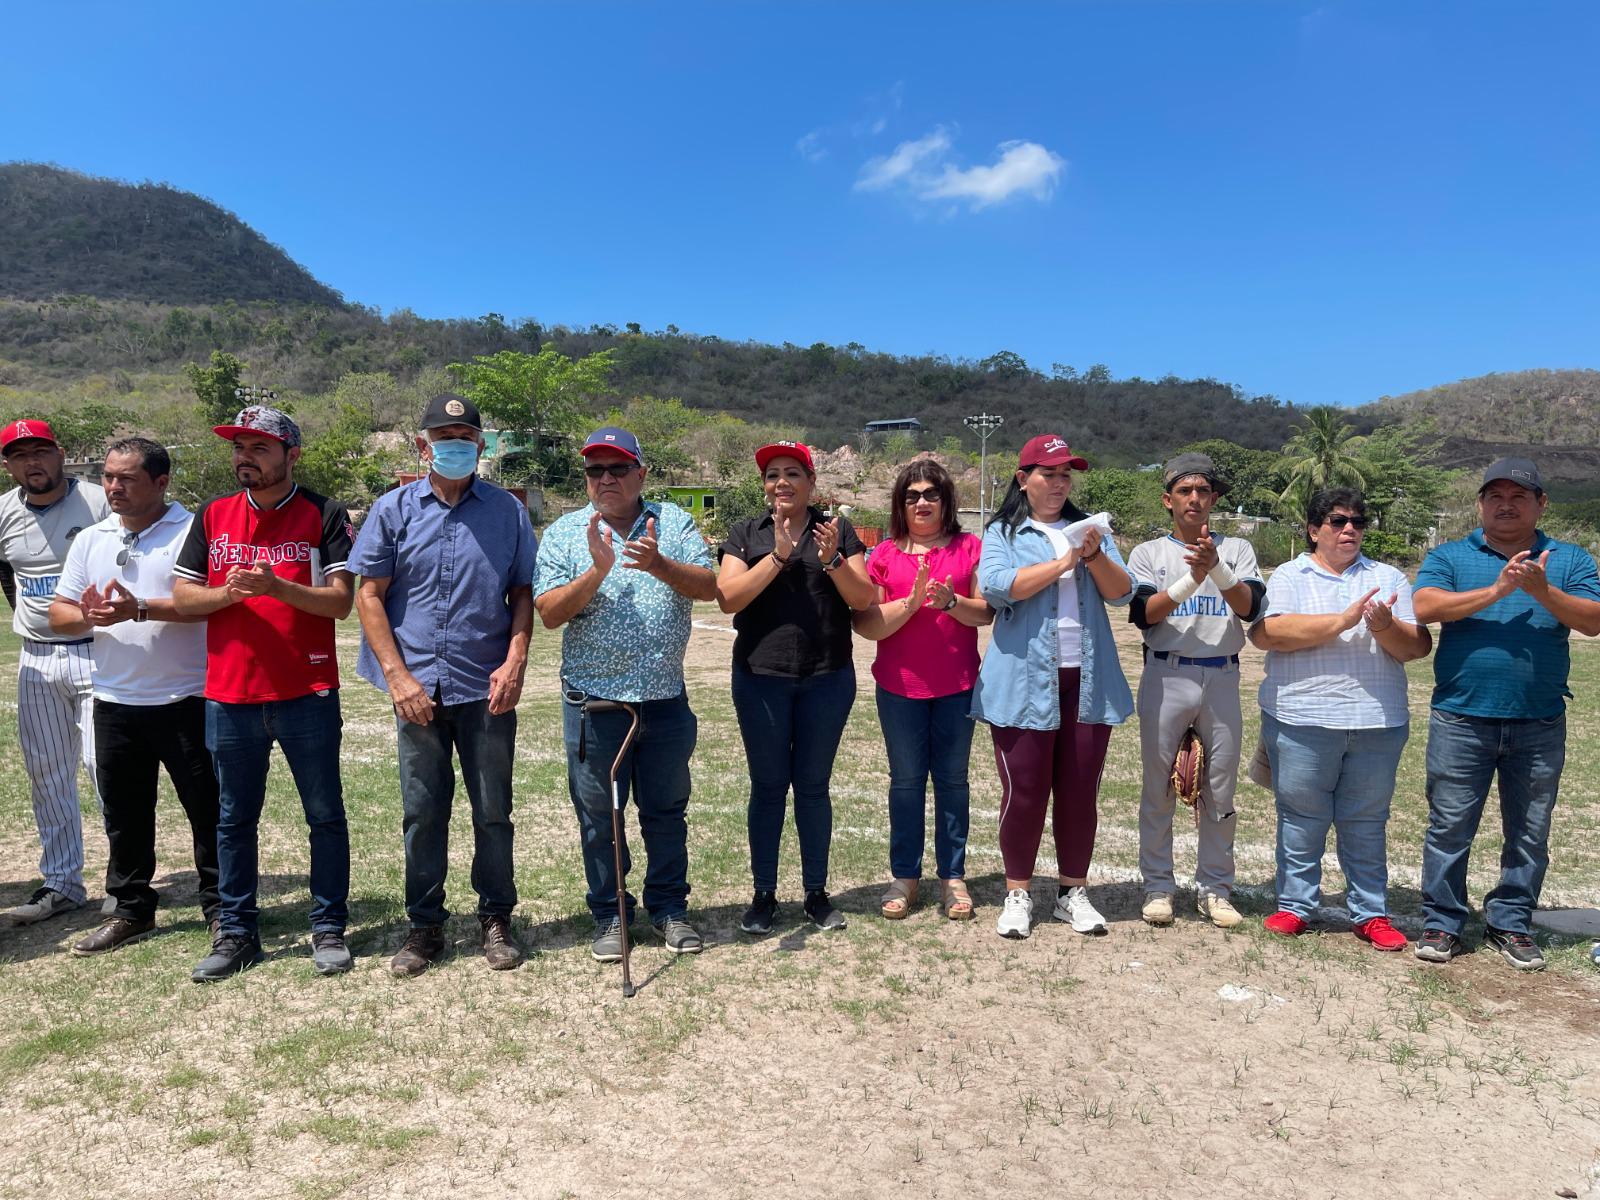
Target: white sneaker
[[1016, 918], [1075, 907], [1218, 910], [46, 902], [1157, 909]]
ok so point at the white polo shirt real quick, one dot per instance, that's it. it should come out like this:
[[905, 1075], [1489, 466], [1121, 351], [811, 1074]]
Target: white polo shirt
[[138, 662]]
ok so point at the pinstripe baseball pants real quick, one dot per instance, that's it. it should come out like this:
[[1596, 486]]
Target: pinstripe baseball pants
[[55, 724]]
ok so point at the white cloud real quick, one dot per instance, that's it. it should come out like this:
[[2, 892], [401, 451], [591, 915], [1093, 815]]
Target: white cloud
[[906, 164], [1024, 168], [924, 168], [810, 147]]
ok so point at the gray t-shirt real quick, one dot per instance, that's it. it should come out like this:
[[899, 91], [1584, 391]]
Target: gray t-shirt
[[1203, 626], [34, 542]]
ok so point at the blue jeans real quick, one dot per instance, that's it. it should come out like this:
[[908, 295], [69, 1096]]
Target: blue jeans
[[791, 730], [486, 745], [1464, 754], [656, 774], [1338, 777], [240, 736], [926, 737]]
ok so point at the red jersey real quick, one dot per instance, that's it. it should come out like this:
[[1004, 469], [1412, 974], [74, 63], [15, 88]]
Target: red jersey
[[262, 649]]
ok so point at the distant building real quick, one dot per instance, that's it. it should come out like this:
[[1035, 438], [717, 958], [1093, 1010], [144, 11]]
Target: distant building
[[894, 425], [697, 499]]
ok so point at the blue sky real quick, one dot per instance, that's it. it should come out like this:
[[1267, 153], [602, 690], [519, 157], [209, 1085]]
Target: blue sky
[[1322, 202]]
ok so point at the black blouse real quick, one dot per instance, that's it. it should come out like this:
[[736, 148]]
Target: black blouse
[[799, 625]]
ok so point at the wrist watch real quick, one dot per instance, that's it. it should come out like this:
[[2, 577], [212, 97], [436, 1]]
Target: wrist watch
[[142, 611], [948, 607], [834, 563]]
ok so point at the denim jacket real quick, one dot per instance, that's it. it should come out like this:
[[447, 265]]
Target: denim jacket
[[1018, 684]]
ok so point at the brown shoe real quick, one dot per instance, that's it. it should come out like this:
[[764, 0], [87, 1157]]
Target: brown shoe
[[423, 947], [500, 948], [118, 931]]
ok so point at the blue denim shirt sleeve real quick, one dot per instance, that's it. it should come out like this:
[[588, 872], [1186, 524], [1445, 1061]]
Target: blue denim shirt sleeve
[[525, 561], [997, 567], [1108, 546], [373, 556]]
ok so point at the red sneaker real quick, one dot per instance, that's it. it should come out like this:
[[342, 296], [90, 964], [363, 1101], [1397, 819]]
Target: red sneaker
[[1285, 924], [1381, 934]]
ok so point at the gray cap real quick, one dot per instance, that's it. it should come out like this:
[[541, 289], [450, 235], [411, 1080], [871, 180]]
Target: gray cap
[[258, 418], [1192, 463], [1517, 470]]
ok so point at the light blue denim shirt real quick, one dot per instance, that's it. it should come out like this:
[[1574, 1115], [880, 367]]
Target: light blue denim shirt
[[1018, 683]]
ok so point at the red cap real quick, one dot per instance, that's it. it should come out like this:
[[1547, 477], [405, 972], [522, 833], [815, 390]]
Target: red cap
[[18, 430], [1050, 450], [795, 450]]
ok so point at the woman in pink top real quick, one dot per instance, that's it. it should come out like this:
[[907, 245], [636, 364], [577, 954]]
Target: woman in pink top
[[926, 623]]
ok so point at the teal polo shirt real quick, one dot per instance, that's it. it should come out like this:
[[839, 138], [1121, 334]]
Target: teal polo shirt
[[1508, 661]]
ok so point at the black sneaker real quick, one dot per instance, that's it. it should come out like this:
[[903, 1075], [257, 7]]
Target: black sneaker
[[823, 915], [1518, 949], [761, 914], [1437, 946], [230, 954], [329, 954]]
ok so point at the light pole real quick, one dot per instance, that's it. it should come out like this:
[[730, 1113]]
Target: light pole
[[985, 424], [253, 394]]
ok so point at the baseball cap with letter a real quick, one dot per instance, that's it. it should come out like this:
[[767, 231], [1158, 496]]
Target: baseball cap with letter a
[[1050, 450], [24, 429]]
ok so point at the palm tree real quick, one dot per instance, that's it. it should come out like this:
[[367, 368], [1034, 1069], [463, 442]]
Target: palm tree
[[1322, 454]]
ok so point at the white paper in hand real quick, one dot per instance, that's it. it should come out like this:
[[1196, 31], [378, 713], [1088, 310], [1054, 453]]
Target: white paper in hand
[[1079, 532]]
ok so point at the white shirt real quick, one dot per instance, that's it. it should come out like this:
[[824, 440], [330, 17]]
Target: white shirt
[[1350, 682], [138, 662], [1069, 630], [35, 541]]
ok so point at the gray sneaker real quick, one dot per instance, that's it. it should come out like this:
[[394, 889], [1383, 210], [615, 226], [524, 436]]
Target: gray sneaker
[[680, 936], [329, 954], [46, 902], [607, 944]]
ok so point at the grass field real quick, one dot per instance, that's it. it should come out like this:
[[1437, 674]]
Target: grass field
[[921, 1055]]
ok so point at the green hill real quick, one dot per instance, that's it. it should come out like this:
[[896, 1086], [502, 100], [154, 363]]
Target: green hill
[[62, 233]]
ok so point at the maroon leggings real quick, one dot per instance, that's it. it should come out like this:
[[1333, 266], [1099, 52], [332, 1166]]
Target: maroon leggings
[[1032, 764]]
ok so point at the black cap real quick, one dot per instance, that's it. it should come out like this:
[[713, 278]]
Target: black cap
[[1517, 470], [447, 408], [1192, 463]]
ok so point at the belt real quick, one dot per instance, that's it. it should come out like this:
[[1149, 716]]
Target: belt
[[1183, 661], [73, 642]]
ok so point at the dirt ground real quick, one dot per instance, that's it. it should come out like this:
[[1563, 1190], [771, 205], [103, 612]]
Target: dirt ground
[[922, 1057]]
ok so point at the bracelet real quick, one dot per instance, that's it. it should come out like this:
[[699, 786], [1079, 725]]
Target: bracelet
[[1222, 575], [1186, 586], [779, 559], [834, 563], [1088, 558]]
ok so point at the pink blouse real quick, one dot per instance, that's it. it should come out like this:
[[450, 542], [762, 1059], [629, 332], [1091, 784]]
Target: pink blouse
[[932, 654]]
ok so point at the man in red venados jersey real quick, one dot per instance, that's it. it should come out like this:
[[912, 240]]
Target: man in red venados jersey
[[267, 567]]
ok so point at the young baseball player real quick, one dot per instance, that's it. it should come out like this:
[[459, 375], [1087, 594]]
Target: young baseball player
[[1195, 591]]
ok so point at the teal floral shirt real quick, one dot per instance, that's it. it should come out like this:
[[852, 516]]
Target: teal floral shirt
[[628, 642]]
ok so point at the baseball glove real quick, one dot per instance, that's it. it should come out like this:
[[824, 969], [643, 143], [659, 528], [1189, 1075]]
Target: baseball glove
[[1189, 768]]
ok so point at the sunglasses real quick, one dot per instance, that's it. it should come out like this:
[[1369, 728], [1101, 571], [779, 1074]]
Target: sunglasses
[[1339, 521], [615, 470], [129, 541], [918, 495]]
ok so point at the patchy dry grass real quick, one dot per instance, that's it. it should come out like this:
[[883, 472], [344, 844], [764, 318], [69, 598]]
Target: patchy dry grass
[[924, 1055]]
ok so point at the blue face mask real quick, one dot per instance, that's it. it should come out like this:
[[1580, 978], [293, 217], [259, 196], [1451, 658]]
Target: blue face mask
[[454, 458]]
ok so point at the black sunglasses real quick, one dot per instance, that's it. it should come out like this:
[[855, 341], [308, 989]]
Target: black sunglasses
[[615, 470], [129, 540], [1339, 521], [918, 495]]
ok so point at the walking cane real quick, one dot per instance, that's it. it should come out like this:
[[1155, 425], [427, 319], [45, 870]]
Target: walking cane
[[594, 706]]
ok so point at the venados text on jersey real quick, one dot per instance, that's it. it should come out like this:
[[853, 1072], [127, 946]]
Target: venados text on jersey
[[225, 552]]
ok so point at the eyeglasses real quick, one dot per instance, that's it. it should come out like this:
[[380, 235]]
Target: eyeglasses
[[1339, 521], [615, 470], [129, 541], [918, 495]]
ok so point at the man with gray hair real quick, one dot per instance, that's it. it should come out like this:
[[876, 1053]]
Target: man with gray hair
[[149, 682]]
